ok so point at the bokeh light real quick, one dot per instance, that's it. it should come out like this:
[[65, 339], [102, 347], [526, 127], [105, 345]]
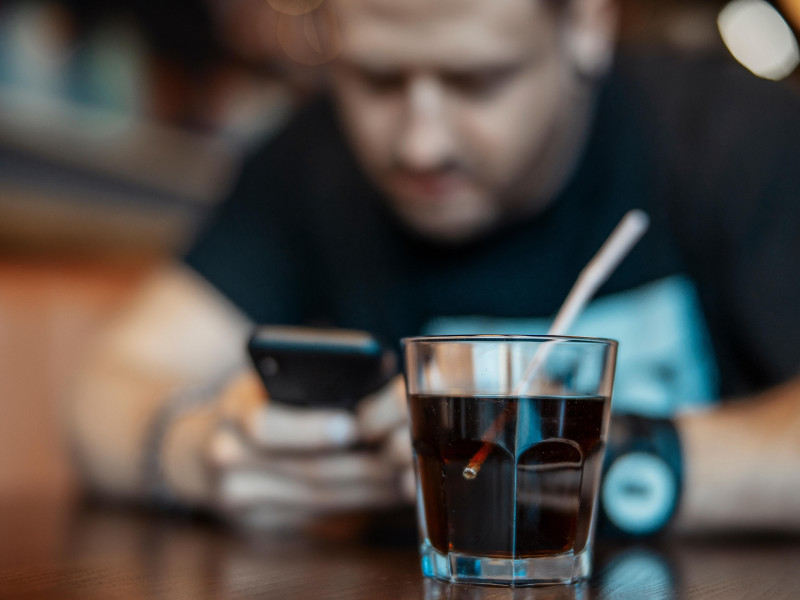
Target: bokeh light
[[759, 38]]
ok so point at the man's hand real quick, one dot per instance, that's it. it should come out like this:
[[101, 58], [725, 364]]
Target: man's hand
[[284, 466], [383, 419]]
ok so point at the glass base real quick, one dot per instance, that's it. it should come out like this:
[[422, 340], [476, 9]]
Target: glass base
[[543, 570]]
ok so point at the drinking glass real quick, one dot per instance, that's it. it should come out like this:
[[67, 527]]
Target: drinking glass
[[508, 435]]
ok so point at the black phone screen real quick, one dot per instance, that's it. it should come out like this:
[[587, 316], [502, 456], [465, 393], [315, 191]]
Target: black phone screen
[[319, 367]]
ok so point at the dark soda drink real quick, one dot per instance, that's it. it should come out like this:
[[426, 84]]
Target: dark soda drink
[[533, 493]]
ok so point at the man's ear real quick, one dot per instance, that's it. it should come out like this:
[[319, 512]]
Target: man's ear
[[590, 33]]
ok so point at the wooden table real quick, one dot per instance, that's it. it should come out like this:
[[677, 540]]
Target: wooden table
[[87, 553]]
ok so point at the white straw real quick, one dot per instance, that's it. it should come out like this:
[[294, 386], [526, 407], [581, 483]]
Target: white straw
[[624, 237]]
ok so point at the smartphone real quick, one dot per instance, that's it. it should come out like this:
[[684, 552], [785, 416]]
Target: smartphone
[[333, 368]]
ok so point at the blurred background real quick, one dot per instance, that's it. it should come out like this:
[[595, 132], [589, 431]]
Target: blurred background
[[122, 123]]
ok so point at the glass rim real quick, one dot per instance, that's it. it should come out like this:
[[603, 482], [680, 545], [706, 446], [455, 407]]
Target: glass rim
[[514, 337]]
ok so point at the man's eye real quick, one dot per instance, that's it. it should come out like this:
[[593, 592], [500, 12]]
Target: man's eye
[[482, 84], [383, 82]]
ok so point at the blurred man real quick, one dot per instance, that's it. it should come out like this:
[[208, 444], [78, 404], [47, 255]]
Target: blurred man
[[472, 157]]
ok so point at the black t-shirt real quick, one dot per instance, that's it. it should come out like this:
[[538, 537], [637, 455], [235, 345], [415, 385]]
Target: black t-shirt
[[706, 304]]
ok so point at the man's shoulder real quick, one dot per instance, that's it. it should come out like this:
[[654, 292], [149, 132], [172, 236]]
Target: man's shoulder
[[709, 102], [726, 137]]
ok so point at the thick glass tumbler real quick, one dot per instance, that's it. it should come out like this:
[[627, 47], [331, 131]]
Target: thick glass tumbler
[[508, 435]]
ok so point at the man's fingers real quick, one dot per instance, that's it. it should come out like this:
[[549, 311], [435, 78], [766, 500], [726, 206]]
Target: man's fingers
[[284, 428], [397, 448], [383, 411], [228, 449], [332, 469], [240, 489], [408, 485], [274, 426], [243, 394]]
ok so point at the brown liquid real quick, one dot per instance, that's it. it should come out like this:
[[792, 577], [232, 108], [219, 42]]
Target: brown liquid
[[537, 503]]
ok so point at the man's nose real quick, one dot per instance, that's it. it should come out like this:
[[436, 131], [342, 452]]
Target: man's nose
[[425, 141]]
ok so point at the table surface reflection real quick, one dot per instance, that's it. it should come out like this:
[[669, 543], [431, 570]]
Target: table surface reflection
[[101, 552]]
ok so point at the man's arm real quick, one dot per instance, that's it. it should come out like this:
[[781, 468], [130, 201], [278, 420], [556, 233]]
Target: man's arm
[[237, 453], [742, 464], [177, 332]]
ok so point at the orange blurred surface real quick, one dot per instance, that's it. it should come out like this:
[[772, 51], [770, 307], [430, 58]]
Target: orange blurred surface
[[49, 311]]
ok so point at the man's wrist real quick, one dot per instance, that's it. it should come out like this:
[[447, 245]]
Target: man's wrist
[[174, 465], [185, 469]]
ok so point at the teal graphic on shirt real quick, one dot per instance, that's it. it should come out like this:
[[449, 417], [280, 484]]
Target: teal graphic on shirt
[[664, 363]]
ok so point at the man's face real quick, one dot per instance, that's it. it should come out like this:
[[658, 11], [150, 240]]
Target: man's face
[[466, 113]]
